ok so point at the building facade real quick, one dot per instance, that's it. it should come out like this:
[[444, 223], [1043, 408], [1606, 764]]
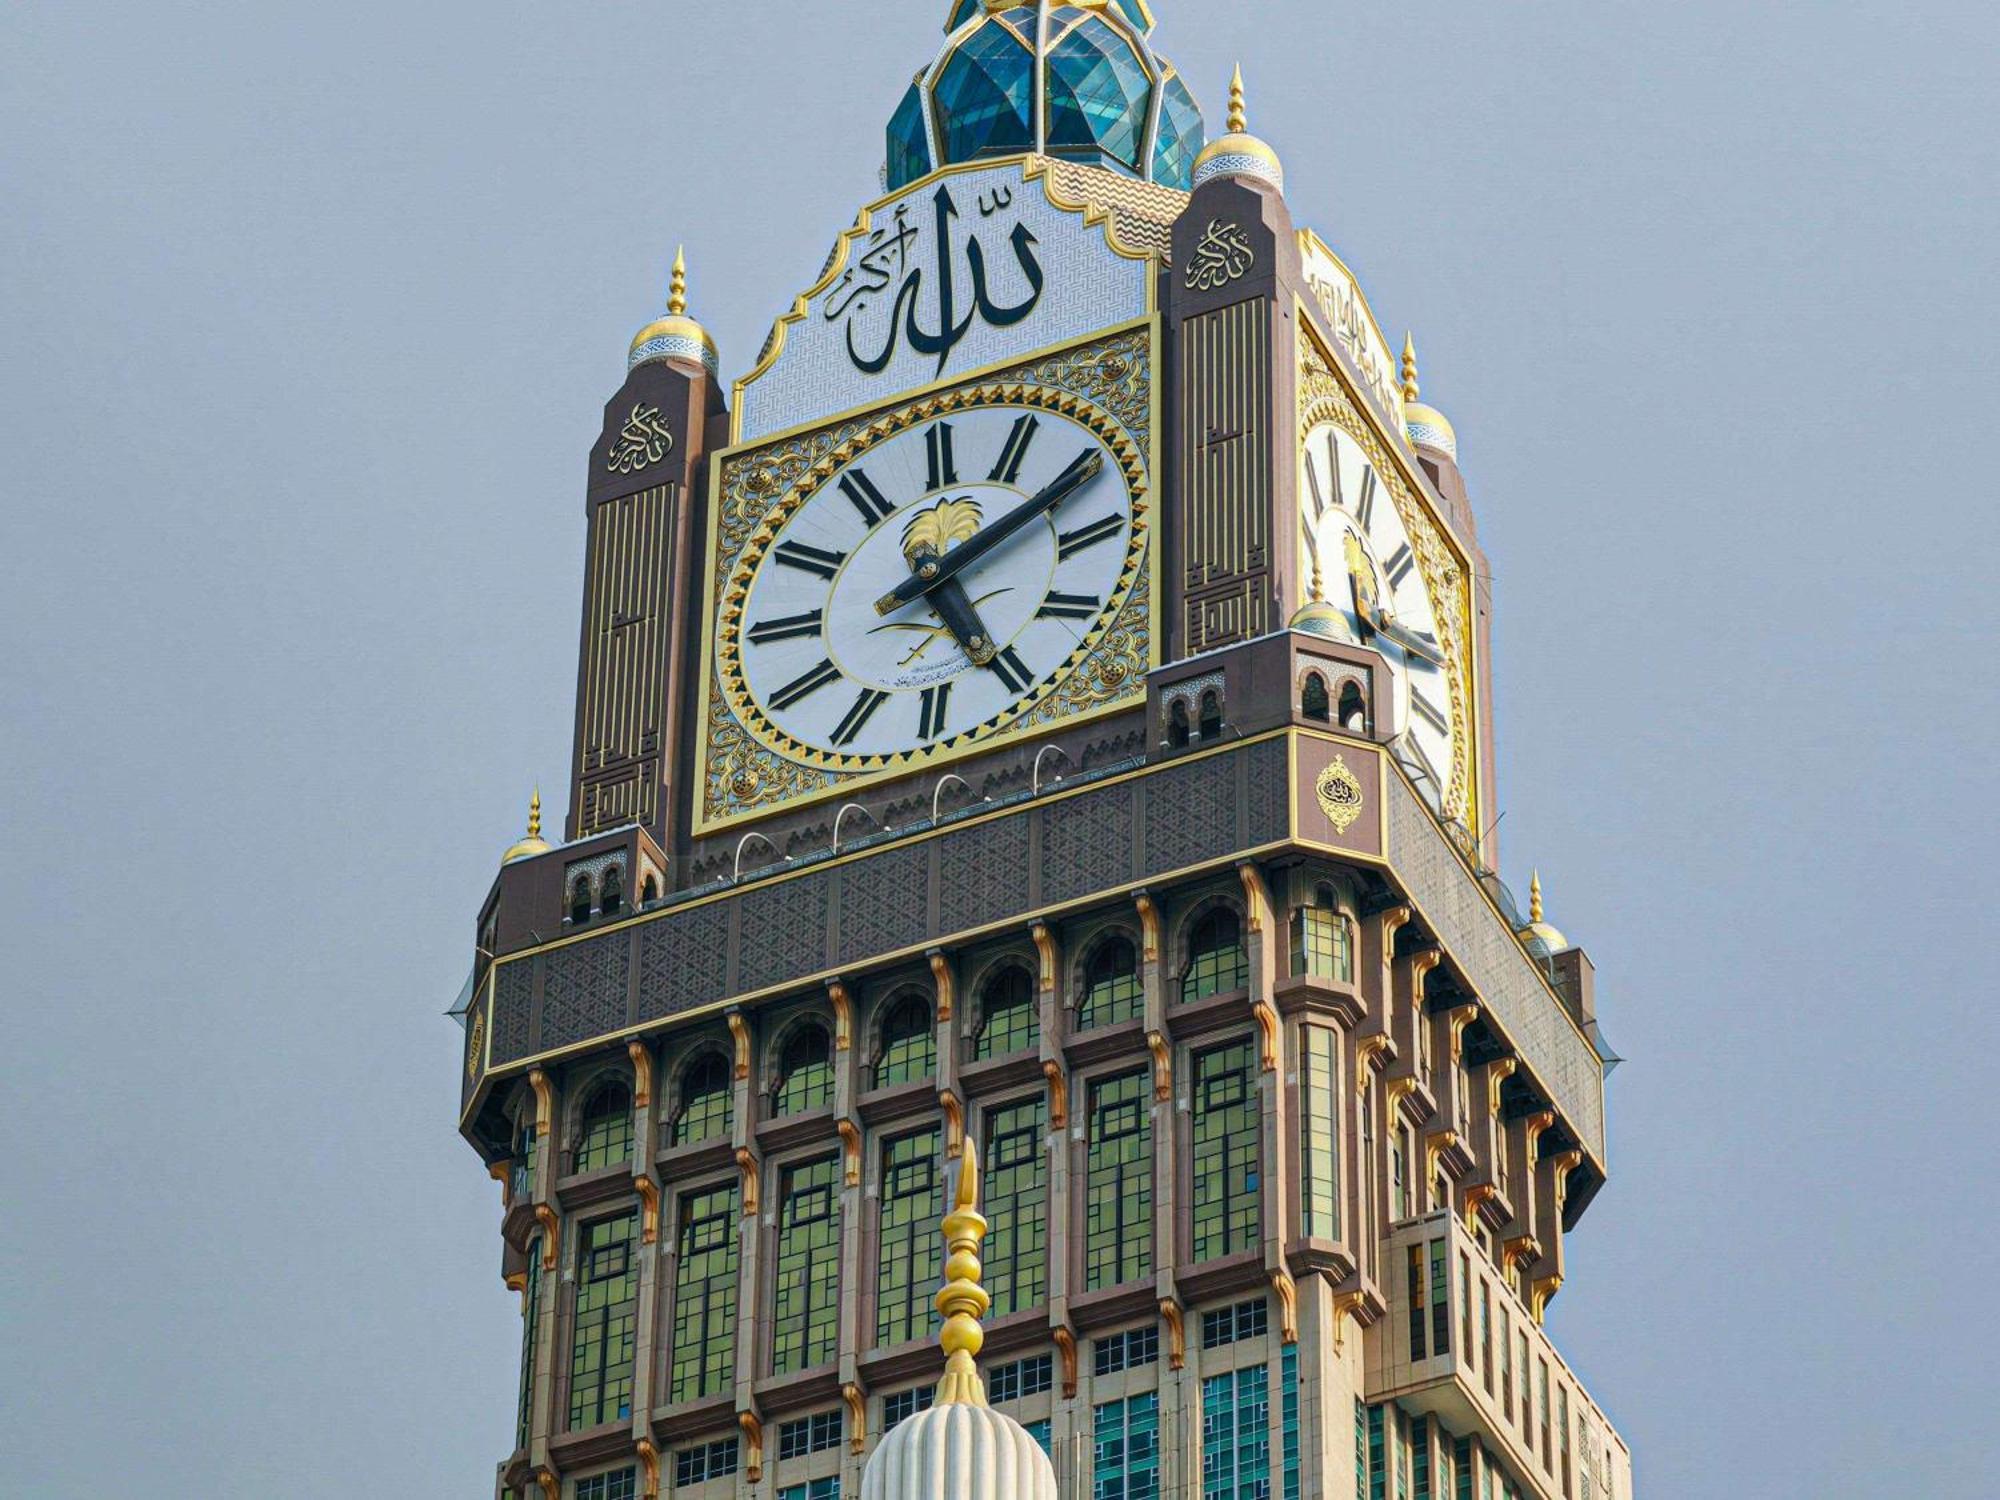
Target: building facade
[[1047, 697]]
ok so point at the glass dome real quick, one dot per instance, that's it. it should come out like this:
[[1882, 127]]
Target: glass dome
[[1073, 80]]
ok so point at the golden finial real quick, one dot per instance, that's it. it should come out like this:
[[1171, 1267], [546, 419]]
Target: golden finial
[[1317, 594], [963, 1301], [1535, 897], [677, 289], [1409, 368], [1238, 120], [533, 843], [535, 814]]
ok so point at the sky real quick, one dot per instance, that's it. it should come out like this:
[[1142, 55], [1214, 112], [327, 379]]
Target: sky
[[308, 314]]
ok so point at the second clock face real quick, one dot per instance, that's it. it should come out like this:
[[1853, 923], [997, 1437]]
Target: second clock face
[[825, 673]]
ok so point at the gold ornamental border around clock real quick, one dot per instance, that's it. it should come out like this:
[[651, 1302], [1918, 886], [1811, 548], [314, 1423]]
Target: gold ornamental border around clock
[[1324, 396], [746, 766]]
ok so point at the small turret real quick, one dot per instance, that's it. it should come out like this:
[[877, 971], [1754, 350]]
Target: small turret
[[1425, 425], [533, 844], [676, 336], [1239, 153]]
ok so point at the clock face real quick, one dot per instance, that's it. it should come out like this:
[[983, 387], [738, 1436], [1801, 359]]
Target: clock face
[[822, 661], [1367, 566]]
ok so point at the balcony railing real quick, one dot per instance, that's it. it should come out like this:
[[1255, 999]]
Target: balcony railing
[[1460, 1345]]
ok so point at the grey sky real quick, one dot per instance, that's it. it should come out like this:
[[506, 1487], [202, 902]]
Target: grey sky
[[308, 312]]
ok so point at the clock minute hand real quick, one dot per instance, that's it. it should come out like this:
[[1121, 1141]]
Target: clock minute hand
[[933, 571]]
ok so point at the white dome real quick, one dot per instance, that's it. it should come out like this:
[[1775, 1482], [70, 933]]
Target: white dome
[[959, 1452]]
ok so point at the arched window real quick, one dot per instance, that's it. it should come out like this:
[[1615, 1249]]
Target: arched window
[[1211, 714], [1216, 962], [704, 1108], [649, 891], [579, 899], [1177, 724], [1111, 991], [1008, 1020], [805, 1073], [909, 1045], [1321, 944], [1313, 699], [1353, 712], [606, 1136], [613, 899]]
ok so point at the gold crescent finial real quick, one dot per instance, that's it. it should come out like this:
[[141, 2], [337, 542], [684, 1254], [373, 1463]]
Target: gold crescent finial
[[963, 1301], [1409, 368], [677, 289], [1535, 897], [1239, 121]]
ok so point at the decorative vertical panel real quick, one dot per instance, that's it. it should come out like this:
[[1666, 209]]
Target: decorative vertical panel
[[625, 660], [1225, 507]]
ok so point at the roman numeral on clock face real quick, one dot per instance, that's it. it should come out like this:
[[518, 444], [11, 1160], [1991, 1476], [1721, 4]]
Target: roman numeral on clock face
[[806, 559], [1399, 564], [937, 451], [1008, 469], [1429, 712], [785, 627], [1059, 606], [1011, 671], [857, 718], [1365, 511], [801, 687], [1088, 536], [930, 711], [1409, 746], [870, 501]]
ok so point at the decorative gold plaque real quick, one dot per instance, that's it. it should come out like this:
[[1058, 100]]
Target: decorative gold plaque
[[1339, 793]]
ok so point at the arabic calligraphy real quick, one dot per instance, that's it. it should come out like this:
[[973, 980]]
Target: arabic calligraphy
[[1220, 256], [642, 442], [892, 251]]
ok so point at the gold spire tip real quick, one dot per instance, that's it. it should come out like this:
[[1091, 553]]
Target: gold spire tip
[[1409, 368], [1535, 897], [677, 289], [535, 814], [963, 1301], [1239, 121]]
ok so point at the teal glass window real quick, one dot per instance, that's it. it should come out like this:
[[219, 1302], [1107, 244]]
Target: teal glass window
[[1288, 1418], [1228, 1151], [1360, 1450], [1235, 1440], [806, 1307], [909, 1045], [531, 1307], [1015, 1197], [1180, 137], [983, 95], [705, 1103], [813, 1489], [619, 1484], [904, 1279], [1039, 1431], [805, 1072], [1216, 962], [1125, 1444], [1099, 94], [704, 1351], [1111, 989], [1319, 1092], [1118, 1184], [909, 152], [1009, 1020], [602, 1343], [605, 1139]]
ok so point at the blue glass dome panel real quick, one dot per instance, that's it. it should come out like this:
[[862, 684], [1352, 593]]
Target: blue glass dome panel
[[909, 152], [983, 96], [1098, 93], [1182, 135]]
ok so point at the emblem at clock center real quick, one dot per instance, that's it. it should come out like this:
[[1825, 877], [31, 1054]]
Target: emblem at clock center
[[912, 647]]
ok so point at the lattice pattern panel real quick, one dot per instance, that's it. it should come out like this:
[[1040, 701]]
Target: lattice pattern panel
[[982, 871], [584, 990], [684, 963], [1086, 843], [882, 903], [1190, 814], [513, 1002], [784, 931]]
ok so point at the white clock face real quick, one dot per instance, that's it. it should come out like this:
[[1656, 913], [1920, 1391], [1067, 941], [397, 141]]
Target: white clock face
[[1368, 568], [830, 674]]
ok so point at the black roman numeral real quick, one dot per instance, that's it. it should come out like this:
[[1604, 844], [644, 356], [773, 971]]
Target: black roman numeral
[[937, 447], [800, 687], [930, 711], [1312, 479], [1011, 671], [1408, 744], [1088, 536], [1333, 464], [809, 559], [1059, 606], [1365, 511], [1399, 564], [864, 707], [1429, 711], [766, 631], [859, 488], [1008, 469]]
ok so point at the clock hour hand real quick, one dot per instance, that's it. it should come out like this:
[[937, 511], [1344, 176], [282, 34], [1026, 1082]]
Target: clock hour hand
[[953, 607], [1409, 640], [933, 570]]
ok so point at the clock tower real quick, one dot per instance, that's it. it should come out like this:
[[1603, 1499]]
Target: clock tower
[[1044, 699]]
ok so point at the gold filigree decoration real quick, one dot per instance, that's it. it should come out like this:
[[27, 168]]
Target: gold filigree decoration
[[476, 1042], [933, 530], [1349, 316], [642, 442], [1221, 255], [1339, 793]]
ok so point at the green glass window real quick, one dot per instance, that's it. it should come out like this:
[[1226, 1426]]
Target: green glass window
[[704, 1351], [527, 1151], [909, 1045], [1015, 1196], [1320, 942], [1413, 1271], [1378, 1456], [1008, 1017], [1288, 1418], [1216, 962], [1118, 1185], [1319, 1090], [1111, 990], [806, 1308], [606, 1136], [1235, 1436], [1126, 1449], [705, 1103], [1440, 1302], [905, 1279], [601, 1345], [531, 1308], [805, 1072], [1228, 1155]]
